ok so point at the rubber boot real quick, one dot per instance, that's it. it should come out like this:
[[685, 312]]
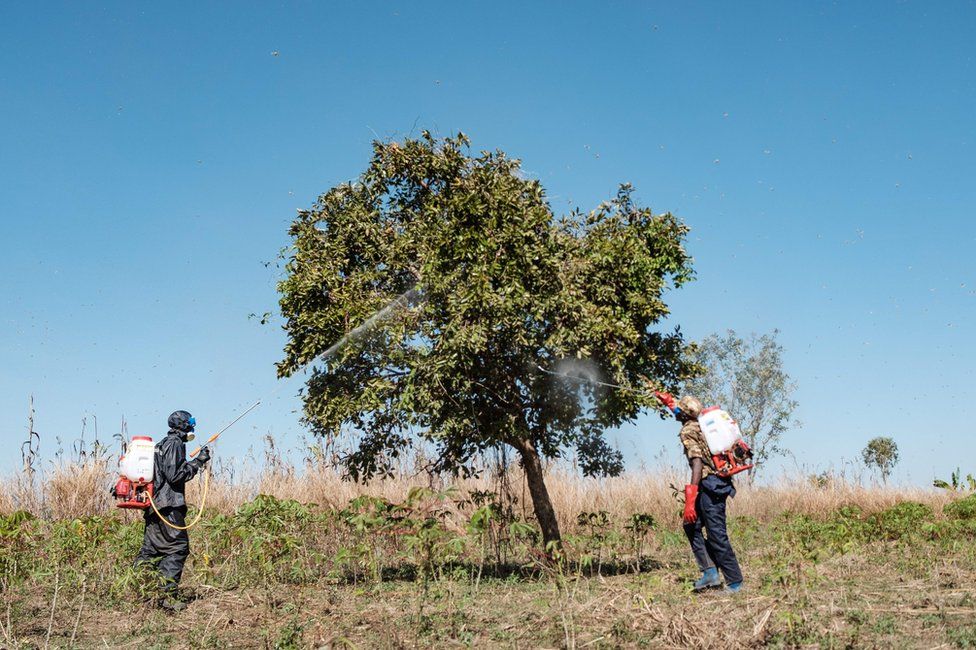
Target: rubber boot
[[171, 604], [733, 588], [709, 579]]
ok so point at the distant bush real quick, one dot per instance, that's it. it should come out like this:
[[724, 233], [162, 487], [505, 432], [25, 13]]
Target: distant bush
[[846, 528], [815, 538], [901, 520], [962, 509]]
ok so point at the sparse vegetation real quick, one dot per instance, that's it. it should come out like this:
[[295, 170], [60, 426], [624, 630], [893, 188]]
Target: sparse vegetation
[[295, 557]]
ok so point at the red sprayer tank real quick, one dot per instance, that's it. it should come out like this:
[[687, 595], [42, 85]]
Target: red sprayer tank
[[134, 486]]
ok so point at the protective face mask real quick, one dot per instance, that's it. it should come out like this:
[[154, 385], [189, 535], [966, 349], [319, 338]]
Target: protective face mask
[[190, 436]]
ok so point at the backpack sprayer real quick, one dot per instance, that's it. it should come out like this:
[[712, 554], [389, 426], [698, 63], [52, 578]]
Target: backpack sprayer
[[134, 488], [730, 453]]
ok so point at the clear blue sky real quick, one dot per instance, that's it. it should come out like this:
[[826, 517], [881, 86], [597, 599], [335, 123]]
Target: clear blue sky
[[152, 156]]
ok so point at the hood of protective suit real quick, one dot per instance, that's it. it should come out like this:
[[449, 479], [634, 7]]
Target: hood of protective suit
[[179, 421]]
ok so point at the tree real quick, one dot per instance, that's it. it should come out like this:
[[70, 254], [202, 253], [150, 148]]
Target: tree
[[499, 287], [882, 454], [746, 377]]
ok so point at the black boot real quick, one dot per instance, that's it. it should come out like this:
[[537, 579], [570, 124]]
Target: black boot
[[172, 604]]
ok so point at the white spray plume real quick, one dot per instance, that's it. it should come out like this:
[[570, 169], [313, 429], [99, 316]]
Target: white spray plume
[[579, 370], [403, 300], [584, 371]]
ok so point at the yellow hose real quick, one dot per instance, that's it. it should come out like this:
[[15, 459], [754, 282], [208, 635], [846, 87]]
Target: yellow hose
[[203, 500]]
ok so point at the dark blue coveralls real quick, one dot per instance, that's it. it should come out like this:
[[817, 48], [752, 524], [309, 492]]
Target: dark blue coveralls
[[713, 549], [160, 543]]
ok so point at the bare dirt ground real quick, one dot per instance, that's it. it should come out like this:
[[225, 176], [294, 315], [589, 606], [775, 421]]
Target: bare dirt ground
[[881, 596]]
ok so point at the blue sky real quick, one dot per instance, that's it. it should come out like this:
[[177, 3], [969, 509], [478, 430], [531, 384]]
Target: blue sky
[[153, 155]]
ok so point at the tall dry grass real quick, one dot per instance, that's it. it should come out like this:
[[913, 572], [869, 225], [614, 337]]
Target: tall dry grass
[[79, 487]]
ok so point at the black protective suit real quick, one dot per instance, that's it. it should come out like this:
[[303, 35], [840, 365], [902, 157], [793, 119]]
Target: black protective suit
[[171, 471]]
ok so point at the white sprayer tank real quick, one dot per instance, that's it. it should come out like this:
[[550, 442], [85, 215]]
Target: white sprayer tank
[[137, 464], [719, 429]]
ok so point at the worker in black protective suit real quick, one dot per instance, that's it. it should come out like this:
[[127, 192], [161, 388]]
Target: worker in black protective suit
[[171, 471]]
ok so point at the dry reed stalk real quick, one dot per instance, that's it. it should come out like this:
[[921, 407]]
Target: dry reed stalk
[[80, 488], [81, 606], [8, 629], [54, 605]]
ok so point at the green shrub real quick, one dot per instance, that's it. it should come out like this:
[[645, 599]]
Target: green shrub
[[962, 509], [17, 536], [13, 524], [901, 520], [266, 540], [848, 527]]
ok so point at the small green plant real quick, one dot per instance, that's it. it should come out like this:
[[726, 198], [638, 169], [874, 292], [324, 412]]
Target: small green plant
[[489, 523], [956, 482], [599, 537], [885, 625], [639, 526], [963, 637], [267, 539], [370, 520], [289, 637], [426, 537]]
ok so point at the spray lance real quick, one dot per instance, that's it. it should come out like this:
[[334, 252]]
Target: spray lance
[[597, 382], [730, 453], [665, 398]]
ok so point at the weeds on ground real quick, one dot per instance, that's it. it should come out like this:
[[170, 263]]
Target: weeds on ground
[[425, 570]]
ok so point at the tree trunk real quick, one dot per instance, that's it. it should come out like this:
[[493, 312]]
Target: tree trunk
[[541, 503]]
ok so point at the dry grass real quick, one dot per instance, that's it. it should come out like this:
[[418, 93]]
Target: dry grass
[[76, 488], [69, 582]]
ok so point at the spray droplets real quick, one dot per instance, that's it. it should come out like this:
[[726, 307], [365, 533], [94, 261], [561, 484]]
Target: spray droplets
[[579, 369], [403, 300]]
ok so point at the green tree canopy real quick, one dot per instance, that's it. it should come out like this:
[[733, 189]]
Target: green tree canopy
[[881, 453], [501, 286]]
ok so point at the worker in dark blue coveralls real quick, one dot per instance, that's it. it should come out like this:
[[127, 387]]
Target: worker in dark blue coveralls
[[171, 470], [705, 497]]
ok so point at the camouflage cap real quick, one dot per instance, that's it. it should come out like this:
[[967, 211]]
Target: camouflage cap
[[690, 406]]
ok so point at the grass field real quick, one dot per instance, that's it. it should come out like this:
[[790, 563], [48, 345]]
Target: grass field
[[294, 557]]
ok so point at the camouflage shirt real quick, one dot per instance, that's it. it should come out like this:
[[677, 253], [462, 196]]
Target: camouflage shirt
[[695, 446]]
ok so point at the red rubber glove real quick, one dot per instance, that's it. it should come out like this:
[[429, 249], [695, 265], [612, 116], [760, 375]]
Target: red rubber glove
[[691, 495], [666, 399]]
